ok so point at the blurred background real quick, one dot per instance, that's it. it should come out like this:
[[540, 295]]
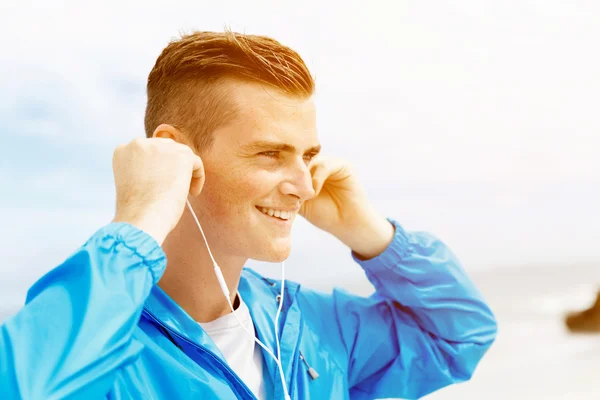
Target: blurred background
[[475, 120]]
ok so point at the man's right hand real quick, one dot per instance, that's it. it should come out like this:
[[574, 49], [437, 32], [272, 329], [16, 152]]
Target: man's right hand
[[153, 178]]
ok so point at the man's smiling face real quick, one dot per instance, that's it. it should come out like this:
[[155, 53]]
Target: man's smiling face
[[257, 173]]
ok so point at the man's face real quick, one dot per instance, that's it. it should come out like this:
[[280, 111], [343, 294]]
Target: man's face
[[257, 174]]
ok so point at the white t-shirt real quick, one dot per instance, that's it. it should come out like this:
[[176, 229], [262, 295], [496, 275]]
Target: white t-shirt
[[242, 353]]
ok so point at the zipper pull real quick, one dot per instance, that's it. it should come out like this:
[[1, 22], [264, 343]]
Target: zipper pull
[[313, 374]]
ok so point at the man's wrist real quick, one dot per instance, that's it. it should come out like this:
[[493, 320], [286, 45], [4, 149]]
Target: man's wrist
[[371, 238], [147, 225]]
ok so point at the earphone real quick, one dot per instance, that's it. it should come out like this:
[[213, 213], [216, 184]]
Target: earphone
[[227, 294]]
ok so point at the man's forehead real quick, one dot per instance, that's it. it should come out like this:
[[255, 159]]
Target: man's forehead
[[264, 115], [252, 98]]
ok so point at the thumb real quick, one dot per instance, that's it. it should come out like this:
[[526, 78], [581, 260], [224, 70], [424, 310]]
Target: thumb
[[198, 176]]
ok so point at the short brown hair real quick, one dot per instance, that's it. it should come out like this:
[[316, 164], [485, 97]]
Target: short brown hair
[[185, 88]]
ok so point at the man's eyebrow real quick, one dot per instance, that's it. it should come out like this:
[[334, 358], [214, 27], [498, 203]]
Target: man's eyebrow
[[276, 146]]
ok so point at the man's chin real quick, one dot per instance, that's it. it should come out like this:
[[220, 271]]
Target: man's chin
[[271, 258], [274, 255], [270, 248]]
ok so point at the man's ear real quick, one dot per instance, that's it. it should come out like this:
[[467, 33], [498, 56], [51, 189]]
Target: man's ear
[[167, 131]]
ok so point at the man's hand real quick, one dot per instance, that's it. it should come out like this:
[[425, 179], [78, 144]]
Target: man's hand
[[153, 178], [340, 207]]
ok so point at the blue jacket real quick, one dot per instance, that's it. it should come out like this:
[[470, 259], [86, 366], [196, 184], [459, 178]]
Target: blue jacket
[[97, 327]]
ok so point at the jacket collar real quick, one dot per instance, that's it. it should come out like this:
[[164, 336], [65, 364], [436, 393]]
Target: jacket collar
[[260, 295]]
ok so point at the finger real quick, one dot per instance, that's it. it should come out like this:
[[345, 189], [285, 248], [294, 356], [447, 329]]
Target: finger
[[198, 176], [319, 176], [196, 186], [339, 171], [157, 141], [313, 167], [197, 166], [184, 148], [116, 154], [315, 163]]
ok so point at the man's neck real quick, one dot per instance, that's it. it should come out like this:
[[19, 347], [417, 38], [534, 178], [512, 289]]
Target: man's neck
[[190, 278]]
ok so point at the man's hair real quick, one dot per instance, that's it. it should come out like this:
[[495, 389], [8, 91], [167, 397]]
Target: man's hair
[[186, 86]]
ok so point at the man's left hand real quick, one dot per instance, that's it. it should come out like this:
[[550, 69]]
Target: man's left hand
[[340, 207]]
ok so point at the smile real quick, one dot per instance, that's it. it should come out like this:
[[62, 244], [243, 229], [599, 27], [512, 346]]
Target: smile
[[279, 214]]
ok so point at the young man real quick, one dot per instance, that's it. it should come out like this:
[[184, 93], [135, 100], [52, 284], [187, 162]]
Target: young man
[[231, 126]]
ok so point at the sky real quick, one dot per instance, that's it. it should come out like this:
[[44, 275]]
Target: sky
[[476, 120]]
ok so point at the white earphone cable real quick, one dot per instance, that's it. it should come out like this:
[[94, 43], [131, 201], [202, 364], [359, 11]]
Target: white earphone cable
[[227, 294]]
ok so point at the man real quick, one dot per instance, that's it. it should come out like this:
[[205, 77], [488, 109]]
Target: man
[[231, 125]]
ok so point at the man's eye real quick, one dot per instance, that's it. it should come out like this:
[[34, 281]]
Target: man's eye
[[271, 154], [309, 157]]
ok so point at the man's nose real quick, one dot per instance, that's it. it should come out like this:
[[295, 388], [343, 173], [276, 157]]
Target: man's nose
[[298, 183]]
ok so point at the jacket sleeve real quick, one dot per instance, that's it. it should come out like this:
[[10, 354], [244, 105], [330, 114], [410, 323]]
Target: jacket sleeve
[[76, 328], [425, 327]]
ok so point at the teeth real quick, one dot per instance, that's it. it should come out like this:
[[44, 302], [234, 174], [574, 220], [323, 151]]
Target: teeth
[[277, 213]]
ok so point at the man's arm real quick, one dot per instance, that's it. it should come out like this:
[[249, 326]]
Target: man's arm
[[76, 328], [425, 327]]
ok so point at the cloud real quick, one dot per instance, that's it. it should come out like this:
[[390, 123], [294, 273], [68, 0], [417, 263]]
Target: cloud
[[471, 92], [474, 121]]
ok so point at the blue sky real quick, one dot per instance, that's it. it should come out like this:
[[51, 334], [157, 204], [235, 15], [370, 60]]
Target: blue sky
[[476, 121]]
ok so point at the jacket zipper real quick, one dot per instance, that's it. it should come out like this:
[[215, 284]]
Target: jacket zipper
[[295, 364], [205, 351], [311, 371]]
